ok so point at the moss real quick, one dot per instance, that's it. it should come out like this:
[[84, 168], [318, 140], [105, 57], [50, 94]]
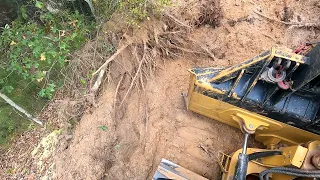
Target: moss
[[45, 148]]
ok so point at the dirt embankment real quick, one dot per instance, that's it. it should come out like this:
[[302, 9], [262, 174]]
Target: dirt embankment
[[141, 117], [154, 123]]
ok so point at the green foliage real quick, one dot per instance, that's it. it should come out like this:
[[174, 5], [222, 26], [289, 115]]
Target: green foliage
[[47, 92], [7, 89], [138, 10], [103, 128], [134, 10], [39, 4], [23, 93], [105, 8], [36, 50]]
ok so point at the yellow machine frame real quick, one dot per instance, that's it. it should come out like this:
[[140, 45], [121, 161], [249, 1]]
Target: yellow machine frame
[[266, 130], [270, 133], [294, 156]]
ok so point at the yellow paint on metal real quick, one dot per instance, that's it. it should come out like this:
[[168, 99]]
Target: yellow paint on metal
[[268, 131], [253, 168], [292, 156], [247, 121], [275, 131], [233, 69], [274, 52], [289, 55], [224, 162], [232, 93], [207, 86], [235, 96]]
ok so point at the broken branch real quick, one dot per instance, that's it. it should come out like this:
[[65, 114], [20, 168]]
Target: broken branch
[[97, 84], [177, 20], [117, 90], [271, 19], [112, 58], [292, 24], [20, 109]]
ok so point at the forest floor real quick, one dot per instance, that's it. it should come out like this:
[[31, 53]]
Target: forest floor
[[139, 116]]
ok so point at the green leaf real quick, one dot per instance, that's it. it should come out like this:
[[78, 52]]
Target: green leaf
[[36, 65], [8, 89], [117, 146], [48, 91], [39, 4], [83, 81], [74, 35], [103, 128], [28, 65], [42, 93], [23, 11], [54, 29], [90, 74]]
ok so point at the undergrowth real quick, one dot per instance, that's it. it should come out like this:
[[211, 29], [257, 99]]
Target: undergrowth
[[36, 46], [37, 49], [138, 10], [134, 11]]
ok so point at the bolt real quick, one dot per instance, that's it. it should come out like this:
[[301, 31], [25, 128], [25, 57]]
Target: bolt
[[251, 126]]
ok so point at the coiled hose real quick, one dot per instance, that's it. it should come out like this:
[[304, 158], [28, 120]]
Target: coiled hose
[[264, 175]]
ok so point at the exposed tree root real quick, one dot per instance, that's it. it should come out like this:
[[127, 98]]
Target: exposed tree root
[[292, 24], [136, 75], [111, 58]]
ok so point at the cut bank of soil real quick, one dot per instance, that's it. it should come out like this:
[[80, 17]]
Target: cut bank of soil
[[133, 146], [156, 124], [153, 123]]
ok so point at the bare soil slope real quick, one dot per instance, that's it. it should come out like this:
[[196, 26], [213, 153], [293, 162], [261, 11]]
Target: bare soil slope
[[155, 124], [116, 140], [133, 145]]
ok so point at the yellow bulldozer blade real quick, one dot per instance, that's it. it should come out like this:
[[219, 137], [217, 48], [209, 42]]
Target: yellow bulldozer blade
[[274, 95]]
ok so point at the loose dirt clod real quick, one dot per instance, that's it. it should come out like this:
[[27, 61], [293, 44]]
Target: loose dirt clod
[[210, 13]]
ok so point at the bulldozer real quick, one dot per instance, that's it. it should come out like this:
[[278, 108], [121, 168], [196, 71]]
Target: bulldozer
[[274, 97]]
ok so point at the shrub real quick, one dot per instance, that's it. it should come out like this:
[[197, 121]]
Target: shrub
[[36, 48]]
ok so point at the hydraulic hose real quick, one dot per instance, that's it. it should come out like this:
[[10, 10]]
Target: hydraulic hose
[[264, 175]]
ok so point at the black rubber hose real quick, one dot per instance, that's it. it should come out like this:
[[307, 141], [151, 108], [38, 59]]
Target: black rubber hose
[[289, 171], [264, 175], [258, 155], [302, 171]]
